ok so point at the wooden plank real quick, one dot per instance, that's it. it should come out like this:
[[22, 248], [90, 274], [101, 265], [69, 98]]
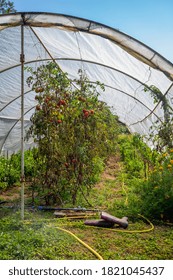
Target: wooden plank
[[60, 214]]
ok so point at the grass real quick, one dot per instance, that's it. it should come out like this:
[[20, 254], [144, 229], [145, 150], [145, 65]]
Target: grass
[[37, 238]]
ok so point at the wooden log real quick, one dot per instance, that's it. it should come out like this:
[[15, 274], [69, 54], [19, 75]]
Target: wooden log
[[99, 223], [121, 222]]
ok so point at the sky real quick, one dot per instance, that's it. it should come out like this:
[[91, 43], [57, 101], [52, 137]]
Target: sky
[[149, 21]]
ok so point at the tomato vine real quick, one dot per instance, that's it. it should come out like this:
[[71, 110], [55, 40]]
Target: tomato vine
[[72, 129]]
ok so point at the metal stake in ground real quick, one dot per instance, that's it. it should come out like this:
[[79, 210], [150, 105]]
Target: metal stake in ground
[[22, 59]]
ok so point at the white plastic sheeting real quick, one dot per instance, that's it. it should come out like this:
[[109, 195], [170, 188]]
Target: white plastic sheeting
[[122, 63]]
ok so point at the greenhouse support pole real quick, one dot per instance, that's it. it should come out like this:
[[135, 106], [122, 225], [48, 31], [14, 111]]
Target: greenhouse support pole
[[22, 60]]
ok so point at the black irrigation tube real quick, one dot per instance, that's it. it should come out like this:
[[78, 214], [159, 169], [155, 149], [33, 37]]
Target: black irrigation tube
[[45, 208]]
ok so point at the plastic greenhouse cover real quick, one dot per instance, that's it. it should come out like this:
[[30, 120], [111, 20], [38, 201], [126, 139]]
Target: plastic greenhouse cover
[[123, 64]]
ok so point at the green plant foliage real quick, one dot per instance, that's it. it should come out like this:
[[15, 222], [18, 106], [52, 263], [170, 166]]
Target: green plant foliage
[[10, 169], [136, 155], [6, 7], [117, 193], [155, 195], [148, 175], [72, 130], [161, 131], [9, 173]]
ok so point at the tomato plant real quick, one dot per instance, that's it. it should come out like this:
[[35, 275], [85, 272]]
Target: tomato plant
[[71, 128]]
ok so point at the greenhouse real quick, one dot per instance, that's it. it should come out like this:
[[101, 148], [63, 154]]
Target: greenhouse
[[124, 65], [86, 120]]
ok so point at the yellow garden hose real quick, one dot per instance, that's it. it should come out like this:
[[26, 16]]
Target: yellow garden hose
[[123, 188], [169, 224], [82, 242], [77, 238], [116, 230]]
